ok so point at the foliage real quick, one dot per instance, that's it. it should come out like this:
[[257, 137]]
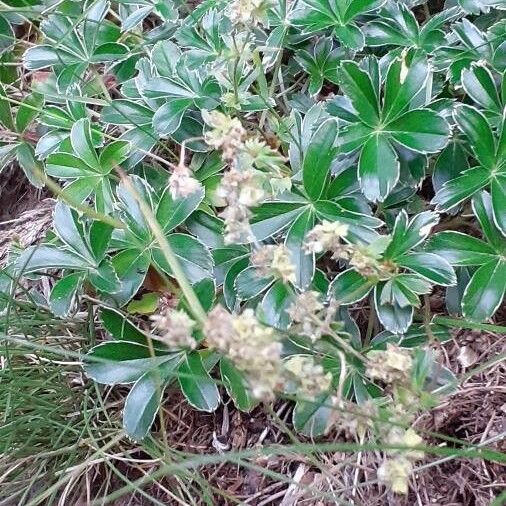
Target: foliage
[[362, 114]]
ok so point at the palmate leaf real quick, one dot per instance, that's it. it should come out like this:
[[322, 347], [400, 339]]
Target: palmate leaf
[[384, 126], [198, 387], [336, 14], [485, 290], [321, 64], [143, 400], [396, 25], [490, 152], [93, 39], [477, 6]]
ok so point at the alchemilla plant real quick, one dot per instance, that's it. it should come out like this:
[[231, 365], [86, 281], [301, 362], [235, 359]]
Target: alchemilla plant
[[258, 197]]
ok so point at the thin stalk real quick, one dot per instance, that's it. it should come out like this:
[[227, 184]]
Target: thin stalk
[[193, 302], [459, 323]]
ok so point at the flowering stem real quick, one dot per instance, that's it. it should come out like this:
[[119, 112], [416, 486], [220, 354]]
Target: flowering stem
[[193, 302], [346, 347]]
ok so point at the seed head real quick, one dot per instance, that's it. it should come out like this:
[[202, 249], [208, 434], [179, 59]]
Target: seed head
[[327, 236], [395, 473], [391, 366], [309, 379], [274, 260], [254, 349], [174, 328], [182, 183], [227, 134], [305, 313], [249, 12]]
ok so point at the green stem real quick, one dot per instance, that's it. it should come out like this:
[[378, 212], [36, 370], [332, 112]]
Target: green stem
[[193, 302], [460, 323]]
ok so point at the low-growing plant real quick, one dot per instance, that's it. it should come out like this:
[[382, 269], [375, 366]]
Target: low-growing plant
[[263, 195]]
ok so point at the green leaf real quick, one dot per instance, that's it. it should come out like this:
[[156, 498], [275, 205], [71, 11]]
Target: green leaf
[[193, 256], [396, 293], [63, 294], [110, 51], [399, 93], [136, 17], [104, 278], [461, 249], [82, 143], [126, 112], [350, 36], [28, 111], [5, 110], [112, 155], [483, 210], [120, 362], [420, 130], [318, 159], [30, 165], [272, 217], [172, 212], [70, 230], [131, 266], [275, 303], [304, 262], [147, 304], [394, 318], [205, 290], [498, 194], [449, 164], [378, 168], [236, 386], [168, 117], [479, 84], [66, 165], [100, 237], [350, 287], [198, 387], [409, 234], [414, 337], [358, 86], [43, 257], [144, 399], [249, 283], [313, 418], [485, 292], [461, 188], [430, 266], [120, 328], [477, 129], [39, 57], [229, 291]]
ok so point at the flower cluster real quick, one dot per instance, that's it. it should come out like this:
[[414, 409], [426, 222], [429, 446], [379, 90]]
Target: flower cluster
[[182, 183], [256, 171], [307, 378], [274, 260], [226, 135], [396, 470], [241, 190], [249, 12], [353, 419], [254, 349], [328, 236], [310, 316], [391, 366], [394, 366], [174, 328]]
